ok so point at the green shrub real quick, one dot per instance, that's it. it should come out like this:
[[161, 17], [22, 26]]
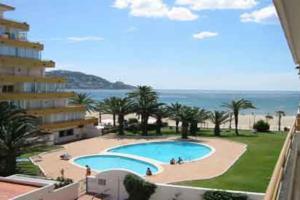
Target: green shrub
[[221, 195], [261, 126], [62, 181], [137, 188]]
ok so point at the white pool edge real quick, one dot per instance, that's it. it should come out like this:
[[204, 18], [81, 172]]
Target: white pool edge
[[213, 150], [142, 159], [153, 162]]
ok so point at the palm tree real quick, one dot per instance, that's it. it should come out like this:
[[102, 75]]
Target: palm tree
[[218, 118], [123, 107], [197, 116], [268, 117], [110, 106], [15, 128], [174, 110], [185, 116], [145, 103], [235, 107], [85, 100], [100, 107], [280, 114], [159, 113]]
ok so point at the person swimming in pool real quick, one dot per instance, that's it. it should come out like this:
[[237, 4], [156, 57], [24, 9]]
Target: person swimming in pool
[[180, 161], [172, 161], [149, 172]]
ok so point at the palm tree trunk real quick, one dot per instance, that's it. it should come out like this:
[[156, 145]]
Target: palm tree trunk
[[158, 126], [145, 125], [10, 164], [100, 117], [279, 123], [217, 129], [193, 128], [177, 126], [121, 124], [184, 131], [114, 119], [236, 121]]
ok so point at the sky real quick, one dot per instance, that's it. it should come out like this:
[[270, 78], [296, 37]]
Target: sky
[[167, 44]]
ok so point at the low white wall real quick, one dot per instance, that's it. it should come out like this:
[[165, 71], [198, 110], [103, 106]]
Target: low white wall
[[165, 191], [69, 192], [37, 194], [111, 183]]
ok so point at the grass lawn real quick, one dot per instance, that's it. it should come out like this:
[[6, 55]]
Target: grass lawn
[[27, 167], [253, 170]]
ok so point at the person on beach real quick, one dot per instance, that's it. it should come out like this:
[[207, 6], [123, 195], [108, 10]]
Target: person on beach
[[172, 161], [180, 161], [62, 173], [88, 171], [149, 172]]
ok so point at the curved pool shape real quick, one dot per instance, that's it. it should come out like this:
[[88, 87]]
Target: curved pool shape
[[108, 162], [164, 151]]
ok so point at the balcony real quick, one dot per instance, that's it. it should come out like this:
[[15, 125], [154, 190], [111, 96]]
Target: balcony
[[30, 79], [14, 24], [23, 95], [68, 124], [7, 61], [6, 40], [49, 111]]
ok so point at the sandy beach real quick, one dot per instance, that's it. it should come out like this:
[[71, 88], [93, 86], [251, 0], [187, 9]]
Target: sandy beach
[[245, 121]]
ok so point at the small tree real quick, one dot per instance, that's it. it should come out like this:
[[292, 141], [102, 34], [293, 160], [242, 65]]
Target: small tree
[[159, 113], [268, 117], [174, 110], [85, 100], [16, 127], [137, 188], [185, 116], [280, 114], [218, 118], [235, 107]]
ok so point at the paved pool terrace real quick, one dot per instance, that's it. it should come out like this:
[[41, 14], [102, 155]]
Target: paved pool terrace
[[225, 154]]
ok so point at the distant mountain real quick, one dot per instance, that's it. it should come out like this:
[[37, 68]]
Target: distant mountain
[[79, 80]]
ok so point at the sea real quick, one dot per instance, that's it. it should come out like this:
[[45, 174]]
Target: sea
[[266, 102]]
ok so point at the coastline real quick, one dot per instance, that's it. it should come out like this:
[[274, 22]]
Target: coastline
[[245, 121]]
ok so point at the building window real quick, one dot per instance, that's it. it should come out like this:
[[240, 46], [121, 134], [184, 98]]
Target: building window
[[7, 88], [66, 133]]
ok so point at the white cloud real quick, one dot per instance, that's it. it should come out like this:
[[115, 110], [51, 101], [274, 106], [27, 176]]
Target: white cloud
[[217, 4], [264, 15], [181, 14], [85, 39], [204, 35], [154, 9]]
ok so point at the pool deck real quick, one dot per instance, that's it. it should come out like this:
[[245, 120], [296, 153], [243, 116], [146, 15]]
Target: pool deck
[[225, 155]]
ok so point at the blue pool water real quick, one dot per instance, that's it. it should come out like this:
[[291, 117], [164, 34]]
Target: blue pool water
[[165, 151], [107, 162]]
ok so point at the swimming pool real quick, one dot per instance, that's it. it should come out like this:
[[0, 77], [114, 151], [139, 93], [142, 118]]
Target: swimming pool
[[163, 152], [107, 162]]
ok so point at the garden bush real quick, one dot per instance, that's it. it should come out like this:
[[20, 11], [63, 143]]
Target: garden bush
[[61, 182], [137, 188], [261, 126], [222, 195]]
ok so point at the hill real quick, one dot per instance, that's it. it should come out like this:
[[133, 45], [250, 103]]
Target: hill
[[79, 80]]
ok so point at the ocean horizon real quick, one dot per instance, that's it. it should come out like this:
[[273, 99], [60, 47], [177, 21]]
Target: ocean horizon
[[267, 102]]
